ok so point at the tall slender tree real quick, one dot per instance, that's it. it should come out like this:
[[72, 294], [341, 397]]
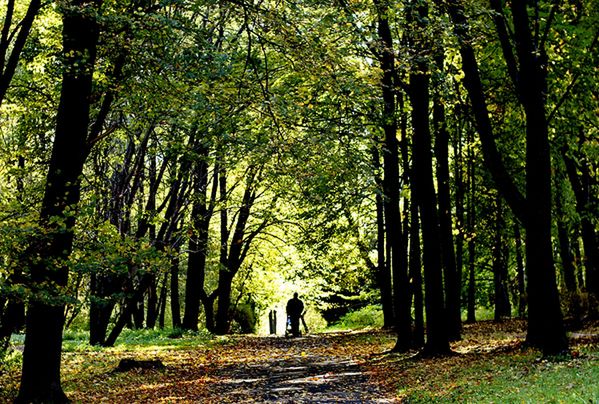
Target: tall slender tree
[[437, 339], [394, 235]]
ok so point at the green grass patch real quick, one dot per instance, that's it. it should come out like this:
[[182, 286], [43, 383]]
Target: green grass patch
[[518, 377], [76, 341], [367, 317]]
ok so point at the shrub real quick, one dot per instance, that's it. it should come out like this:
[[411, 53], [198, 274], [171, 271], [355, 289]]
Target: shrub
[[368, 316]]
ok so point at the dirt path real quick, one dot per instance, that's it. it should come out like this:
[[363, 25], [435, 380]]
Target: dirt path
[[301, 370], [323, 368]]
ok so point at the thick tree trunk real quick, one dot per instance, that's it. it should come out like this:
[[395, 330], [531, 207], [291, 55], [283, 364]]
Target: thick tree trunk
[[545, 323], [222, 319], [40, 380], [437, 341]]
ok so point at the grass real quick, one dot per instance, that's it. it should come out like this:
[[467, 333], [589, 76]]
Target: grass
[[491, 366], [507, 378], [367, 317]]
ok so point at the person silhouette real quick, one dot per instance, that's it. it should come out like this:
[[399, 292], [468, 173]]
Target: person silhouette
[[295, 309]]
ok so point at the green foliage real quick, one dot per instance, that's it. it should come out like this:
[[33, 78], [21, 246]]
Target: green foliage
[[10, 360], [367, 317], [77, 341], [244, 318]]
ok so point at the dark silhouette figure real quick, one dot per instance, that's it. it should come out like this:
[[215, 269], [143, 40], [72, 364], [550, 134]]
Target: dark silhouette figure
[[295, 309], [272, 321]]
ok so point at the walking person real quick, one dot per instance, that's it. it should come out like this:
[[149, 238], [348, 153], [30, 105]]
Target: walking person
[[295, 309]]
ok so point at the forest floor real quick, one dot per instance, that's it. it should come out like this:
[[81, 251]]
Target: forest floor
[[490, 365]]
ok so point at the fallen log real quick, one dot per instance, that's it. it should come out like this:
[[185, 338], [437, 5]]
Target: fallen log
[[128, 364]]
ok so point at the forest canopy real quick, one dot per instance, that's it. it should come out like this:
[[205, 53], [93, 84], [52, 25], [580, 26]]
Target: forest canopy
[[191, 164]]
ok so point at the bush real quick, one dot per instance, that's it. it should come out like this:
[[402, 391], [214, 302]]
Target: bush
[[244, 319], [367, 317], [10, 359]]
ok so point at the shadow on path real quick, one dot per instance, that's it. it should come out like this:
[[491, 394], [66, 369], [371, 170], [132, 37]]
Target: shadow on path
[[294, 371]]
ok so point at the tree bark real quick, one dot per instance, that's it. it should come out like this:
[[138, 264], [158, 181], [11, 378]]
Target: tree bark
[[416, 275], [520, 273], [501, 297], [452, 282], [471, 220], [40, 379], [437, 341], [201, 213], [382, 275], [401, 288], [175, 303], [545, 323]]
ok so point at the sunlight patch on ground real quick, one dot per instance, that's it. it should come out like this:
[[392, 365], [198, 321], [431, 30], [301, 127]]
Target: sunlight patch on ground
[[240, 381]]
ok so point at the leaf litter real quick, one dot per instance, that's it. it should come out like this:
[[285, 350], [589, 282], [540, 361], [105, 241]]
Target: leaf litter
[[349, 367]]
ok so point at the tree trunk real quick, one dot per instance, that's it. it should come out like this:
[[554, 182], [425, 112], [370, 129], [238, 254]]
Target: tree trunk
[[383, 276], [545, 323], [583, 195], [416, 275], [572, 298], [437, 341], [10, 60], [501, 296], [40, 379], [520, 273], [471, 220], [129, 306], [238, 246], [175, 304], [162, 302], [225, 280], [138, 314], [152, 310], [452, 282], [102, 303], [198, 242], [459, 207], [401, 287]]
